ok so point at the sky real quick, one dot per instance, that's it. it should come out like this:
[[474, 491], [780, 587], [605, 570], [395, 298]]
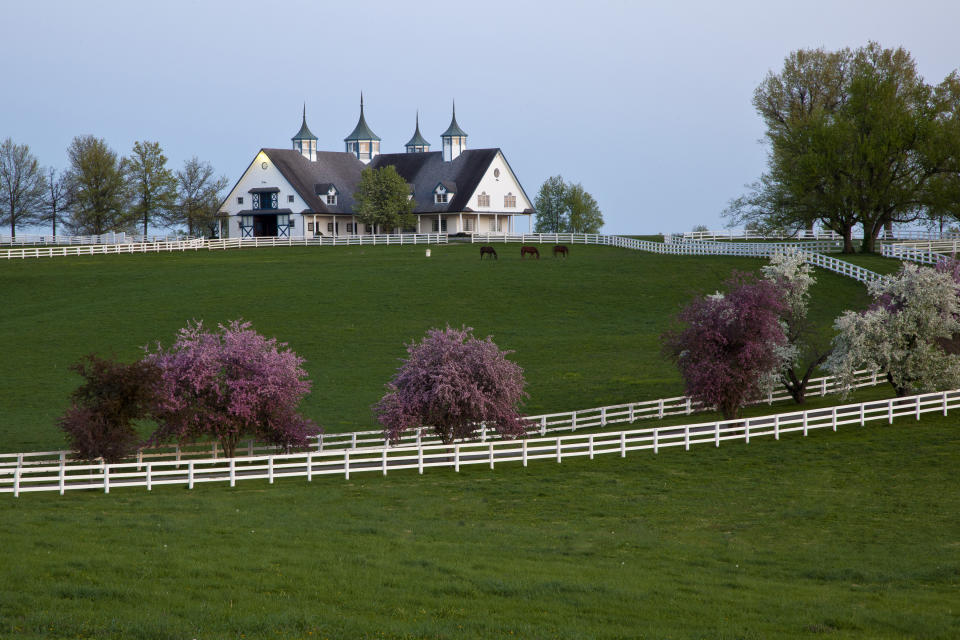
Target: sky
[[646, 104]]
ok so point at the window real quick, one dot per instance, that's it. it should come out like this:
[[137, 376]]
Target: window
[[329, 227], [331, 198], [309, 226], [289, 198], [510, 201], [246, 221], [293, 223], [239, 199], [351, 228], [442, 227], [483, 200], [468, 224], [440, 198]]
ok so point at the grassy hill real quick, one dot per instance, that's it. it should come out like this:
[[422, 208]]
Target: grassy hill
[[586, 330]]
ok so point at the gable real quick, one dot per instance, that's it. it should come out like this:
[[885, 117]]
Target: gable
[[497, 182], [258, 178]]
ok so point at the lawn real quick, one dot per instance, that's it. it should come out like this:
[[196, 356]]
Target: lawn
[[840, 535], [586, 330]]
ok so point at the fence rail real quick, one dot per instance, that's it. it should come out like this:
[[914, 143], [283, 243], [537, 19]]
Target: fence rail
[[582, 419], [743, 234], [61, 477], [923, 252]]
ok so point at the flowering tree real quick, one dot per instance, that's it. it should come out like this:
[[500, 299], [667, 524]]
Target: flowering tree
[[453, 382], [801, 357], [228, 384], [731, 347], [100, 420], [904, 333]]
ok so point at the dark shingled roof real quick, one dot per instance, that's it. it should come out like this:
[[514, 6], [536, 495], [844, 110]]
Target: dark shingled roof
[[361, 131], [331, 167], [426, 170]]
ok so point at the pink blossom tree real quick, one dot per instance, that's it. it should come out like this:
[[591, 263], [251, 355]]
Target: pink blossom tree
[[733, 345], [453, 382], [229, 384]]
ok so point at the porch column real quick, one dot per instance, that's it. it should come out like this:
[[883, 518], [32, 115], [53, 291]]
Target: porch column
[[354, 222], [334, 226], [530, 222], [460, 228], [439, 224]]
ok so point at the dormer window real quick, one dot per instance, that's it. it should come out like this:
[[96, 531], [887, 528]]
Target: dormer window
[[330, 195], [483, 200], [440, 195]]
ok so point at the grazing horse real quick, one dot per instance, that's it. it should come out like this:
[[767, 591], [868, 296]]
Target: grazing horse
[[533, 251], [490, 251], [561, 250]]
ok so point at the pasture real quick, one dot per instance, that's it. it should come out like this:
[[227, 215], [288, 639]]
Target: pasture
[[841, 535], [585, 329]]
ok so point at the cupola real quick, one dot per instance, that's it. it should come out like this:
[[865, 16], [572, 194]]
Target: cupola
[[417, 143], [362, 142], [305, 142], [454, 139]]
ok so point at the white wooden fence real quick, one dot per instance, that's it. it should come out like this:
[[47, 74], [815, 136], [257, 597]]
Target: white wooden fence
[[61, 477], [743, 234], [568, 421], [923, 252], [231, 243]]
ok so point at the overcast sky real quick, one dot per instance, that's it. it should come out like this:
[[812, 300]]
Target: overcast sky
[[647, 104]]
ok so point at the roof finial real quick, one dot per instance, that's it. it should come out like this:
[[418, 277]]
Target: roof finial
[[454, 108], [304, 112], [418, 119], [361, 103]]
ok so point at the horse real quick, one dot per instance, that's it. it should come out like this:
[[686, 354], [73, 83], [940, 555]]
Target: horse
[[490, 251], [561, 250], [533, 251]]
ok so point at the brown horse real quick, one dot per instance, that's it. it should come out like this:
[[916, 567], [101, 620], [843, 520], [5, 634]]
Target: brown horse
[[533, 251], [489, 251], [561, 250]]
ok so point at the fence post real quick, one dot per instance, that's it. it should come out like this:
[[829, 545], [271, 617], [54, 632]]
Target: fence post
[[543, 425], [249, 447], [890, 411], [656, 440], [346, 464], [945, 393], [353, 439], [483, 432], [623, 444], [716, 426], [689, 407], [16, 482], [686, 437], [139, 458], [559, 449], [918, 407], [190, 475], [631, 412], [603, 416], [233, 475], [456, 458], [420, 460], [63, 472], [178, 458], [106, 478], [310, 466], [524, 452], [319, 443], [776, 427], [590, 445], [660, 409], [804, 423], [573, 421], [384, 461], [746, 431], [823, 387], [491, 455], [214, 449], [270, 469]]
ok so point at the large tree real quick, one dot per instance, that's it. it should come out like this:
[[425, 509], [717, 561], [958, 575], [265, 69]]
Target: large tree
[[21, 185], [97, 187], [453, 383], [151, 184], [56, 199], [566, 208], [198, 196], [551, 206], [856, 138], [383, 199]]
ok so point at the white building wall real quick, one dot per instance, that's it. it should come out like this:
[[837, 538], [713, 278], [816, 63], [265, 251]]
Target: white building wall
[[256, 176]]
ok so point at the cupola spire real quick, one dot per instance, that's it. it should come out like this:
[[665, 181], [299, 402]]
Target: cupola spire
[[305, 142], [362, 142], [417, 143], [454, 139]]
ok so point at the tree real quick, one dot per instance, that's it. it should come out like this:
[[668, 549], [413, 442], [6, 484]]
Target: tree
[[730, 350], [56, 199], [802, 355], [21, 185], [904, 333], [453, 382], [198, 196], [551, 206], [383, 199], [856, 137], [151, 184], [97, 187], [229, 384], [100, 420], [566, 208]]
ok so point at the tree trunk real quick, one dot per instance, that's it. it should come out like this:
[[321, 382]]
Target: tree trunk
[[869, 242], [848, 240]]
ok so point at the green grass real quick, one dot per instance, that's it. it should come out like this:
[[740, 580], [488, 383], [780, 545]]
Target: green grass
[[585, 330], [872, 261], [846, 535]]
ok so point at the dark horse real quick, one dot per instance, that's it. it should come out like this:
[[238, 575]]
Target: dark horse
[[488, 251], [524, 250], [561, 250]]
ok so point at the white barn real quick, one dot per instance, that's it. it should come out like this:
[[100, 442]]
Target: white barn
[[305, 192]]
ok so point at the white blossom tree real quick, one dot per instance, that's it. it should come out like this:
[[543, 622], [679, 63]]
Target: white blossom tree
[[903, 333]]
